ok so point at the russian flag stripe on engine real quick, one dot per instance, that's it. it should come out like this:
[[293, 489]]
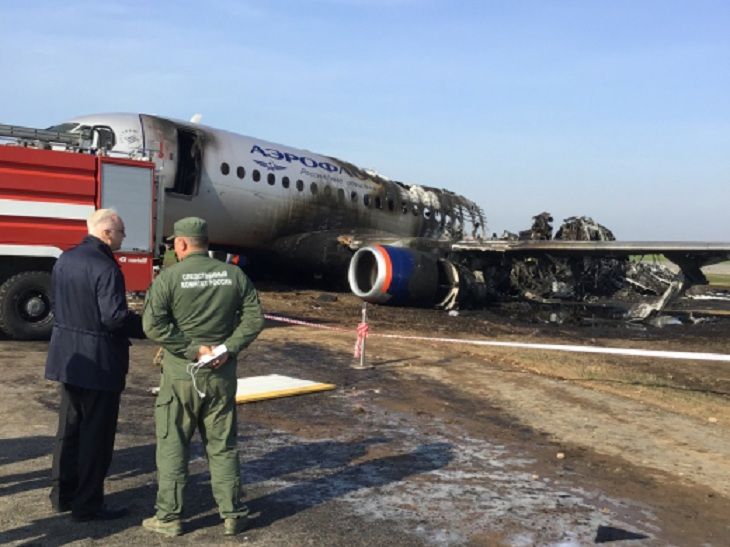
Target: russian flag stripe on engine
[[401, 262], [388, 267]]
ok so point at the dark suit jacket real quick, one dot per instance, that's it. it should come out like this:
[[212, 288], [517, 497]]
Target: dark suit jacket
[[90, 346]]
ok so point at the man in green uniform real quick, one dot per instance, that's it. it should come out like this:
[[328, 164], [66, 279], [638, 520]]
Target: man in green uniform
[[195, 308]]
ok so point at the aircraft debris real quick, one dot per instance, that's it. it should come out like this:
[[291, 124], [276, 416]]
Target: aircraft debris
[[664, 320], [711, 295], [546, 278]]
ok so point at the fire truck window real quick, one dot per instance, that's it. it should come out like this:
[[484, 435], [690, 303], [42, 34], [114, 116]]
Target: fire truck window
[[241, 172], [300, 185], [256, 175], [225, 168], [271, 178], [285, 182]]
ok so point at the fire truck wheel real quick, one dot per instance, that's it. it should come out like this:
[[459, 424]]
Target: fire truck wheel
[[25, 306]]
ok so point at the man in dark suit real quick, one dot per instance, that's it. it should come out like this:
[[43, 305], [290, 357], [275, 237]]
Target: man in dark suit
[[89, 355]]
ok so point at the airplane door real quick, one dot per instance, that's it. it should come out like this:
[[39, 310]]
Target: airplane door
[[189, 163], [179, 154], [160, 137]]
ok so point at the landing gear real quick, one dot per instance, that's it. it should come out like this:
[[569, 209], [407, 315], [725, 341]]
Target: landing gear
[[25, 306]]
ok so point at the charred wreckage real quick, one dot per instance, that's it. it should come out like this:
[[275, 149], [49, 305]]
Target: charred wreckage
[[580, 265]]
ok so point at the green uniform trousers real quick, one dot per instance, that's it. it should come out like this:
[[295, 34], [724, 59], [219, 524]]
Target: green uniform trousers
[[179, 411]]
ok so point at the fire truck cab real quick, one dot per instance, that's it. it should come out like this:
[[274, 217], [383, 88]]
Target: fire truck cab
[[50, 182]]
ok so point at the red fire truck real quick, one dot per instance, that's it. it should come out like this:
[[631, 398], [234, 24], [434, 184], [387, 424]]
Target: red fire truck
[[50, 182]]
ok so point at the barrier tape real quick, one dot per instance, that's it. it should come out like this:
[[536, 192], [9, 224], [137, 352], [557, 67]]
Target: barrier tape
[[362, 333], [281, 319]]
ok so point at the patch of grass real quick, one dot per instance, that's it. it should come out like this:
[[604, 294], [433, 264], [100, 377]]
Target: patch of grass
[[718, 280]]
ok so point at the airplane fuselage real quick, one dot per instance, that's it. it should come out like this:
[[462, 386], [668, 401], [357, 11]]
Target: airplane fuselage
[[262, 196]]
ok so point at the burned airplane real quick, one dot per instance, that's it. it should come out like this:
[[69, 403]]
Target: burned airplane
[[288, 208]]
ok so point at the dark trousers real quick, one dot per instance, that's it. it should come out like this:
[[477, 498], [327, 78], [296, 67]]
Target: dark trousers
[[87, 424]]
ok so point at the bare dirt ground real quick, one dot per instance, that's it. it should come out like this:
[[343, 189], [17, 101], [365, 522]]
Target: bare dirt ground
[[434, 444]]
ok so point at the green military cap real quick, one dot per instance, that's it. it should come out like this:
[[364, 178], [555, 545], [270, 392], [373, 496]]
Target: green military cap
[[189, 227]]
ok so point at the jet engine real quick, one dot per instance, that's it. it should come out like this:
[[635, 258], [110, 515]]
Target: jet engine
[[399, 276]]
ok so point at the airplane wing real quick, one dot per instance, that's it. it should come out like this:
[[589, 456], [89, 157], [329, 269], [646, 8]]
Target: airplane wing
[[689, 256], [423, 271]]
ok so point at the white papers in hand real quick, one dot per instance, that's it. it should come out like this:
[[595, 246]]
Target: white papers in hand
[[208, 357]]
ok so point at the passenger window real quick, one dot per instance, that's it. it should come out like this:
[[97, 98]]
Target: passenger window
[[241, 172], [300, 185], [404, 207], [225, 168], [271, 178], [353, 197], [285, 182], [327, 191], [378, 202], [256, 175], [366, 200], [391, 205], [340, 195], [313, 187]]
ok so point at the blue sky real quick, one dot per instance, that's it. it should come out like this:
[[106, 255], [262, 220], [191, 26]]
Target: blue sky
[[616, 109]]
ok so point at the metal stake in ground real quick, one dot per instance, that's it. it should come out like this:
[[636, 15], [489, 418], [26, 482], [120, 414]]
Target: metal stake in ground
[[362, 332]]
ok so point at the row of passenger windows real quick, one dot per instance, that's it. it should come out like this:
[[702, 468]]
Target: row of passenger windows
[[367, 199]]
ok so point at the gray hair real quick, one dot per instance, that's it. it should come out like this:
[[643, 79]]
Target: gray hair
[[102, 218]]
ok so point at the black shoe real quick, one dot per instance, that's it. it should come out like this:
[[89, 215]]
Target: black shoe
[[62, 507], [104, 513]]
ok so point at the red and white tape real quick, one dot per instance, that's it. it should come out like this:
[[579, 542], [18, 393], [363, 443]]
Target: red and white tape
[[281, 319], [362, 333]]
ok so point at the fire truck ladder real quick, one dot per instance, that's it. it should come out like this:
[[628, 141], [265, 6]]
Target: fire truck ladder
[[44, 138]]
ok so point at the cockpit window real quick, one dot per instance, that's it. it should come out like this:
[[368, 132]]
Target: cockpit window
[[63, 127]]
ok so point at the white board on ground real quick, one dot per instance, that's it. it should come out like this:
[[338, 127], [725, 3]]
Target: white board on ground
[[257, 388]]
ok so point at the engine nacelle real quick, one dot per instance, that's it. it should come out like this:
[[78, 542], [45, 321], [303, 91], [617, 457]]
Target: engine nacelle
[[383, 274]]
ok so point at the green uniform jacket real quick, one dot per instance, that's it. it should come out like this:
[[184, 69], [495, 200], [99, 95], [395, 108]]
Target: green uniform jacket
[[201, 301]]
